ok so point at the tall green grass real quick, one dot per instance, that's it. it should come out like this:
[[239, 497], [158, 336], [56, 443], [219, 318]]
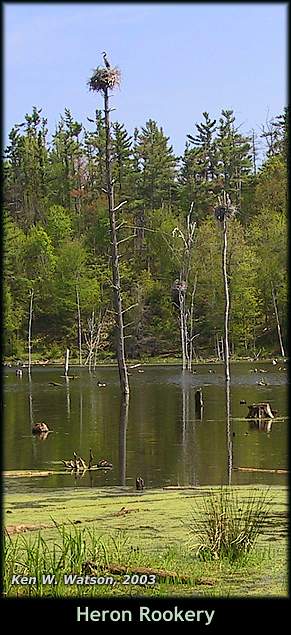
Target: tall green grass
[[226, 527], [34, 556]]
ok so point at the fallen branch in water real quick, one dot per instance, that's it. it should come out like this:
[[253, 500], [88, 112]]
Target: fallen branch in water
[[28, 473], [181, 487], [260, 469]]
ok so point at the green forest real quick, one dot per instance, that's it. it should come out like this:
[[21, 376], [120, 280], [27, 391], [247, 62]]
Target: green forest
[[57, 252]]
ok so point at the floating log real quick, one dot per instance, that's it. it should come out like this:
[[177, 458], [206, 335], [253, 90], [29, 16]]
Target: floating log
[[54, 383], [68, 464], [118, 569], [260, 469], [76, 464], [27, 473], [179, 487], [82, 463], [261, 411]]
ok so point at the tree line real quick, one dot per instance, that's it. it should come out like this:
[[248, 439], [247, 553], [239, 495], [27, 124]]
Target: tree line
[[57, 237]]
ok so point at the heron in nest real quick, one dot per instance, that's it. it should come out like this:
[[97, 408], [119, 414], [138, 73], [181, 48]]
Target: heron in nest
[[106, 60]]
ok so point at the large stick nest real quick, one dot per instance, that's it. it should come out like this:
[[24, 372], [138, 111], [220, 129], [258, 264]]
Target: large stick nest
[[225, 209], [224, 212], [104, 78]]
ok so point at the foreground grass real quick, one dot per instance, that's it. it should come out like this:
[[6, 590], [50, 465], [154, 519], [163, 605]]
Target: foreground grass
[[59, 532]]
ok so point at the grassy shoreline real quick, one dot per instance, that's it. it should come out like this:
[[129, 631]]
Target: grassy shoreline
[[154, 361], [148, 529]]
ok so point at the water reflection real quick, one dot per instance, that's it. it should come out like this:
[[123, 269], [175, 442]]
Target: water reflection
[[30, 405], [229, 436], [31, 422], [123, 420], [191, 421], [185, 407], [68, 399], [264, 425], [81, 412], [160, 436]]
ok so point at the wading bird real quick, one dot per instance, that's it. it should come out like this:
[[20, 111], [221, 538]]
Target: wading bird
[[106, 60], [139, 483]]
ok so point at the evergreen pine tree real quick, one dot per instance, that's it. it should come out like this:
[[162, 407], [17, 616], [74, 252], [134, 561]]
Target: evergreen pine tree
[[157, 164], [234, 157], [121, 158]]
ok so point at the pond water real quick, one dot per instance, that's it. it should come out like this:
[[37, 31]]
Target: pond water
[[160, 437]]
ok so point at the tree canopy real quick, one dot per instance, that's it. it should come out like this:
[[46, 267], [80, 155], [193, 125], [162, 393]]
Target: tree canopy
[[56, 233]]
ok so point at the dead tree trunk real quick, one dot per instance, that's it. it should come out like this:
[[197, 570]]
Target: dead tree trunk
[[90, 340], [254, 153], [199, 403], [97, 342], [79, 326], [123, 376], [277, 320], [66, 367], [191, 325], [181, 286], [226, 306], [219, 348], [182, 329], [223, 212], [29, 330]]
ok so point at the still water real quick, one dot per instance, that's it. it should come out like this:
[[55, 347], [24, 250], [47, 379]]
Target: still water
[[159, 437]]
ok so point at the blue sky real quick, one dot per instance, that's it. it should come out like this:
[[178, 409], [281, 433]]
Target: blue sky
[[177, 60]]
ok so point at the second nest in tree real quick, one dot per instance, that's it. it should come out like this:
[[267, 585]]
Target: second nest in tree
[[224, 212], [103, 78]]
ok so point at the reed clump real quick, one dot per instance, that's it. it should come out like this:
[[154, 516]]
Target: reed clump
[[226, 526]]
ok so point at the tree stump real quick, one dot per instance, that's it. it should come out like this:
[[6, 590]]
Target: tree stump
[[260, 411], [199, 402]]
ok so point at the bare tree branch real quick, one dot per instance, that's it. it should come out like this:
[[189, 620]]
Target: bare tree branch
[[119, 206], [130, 307]]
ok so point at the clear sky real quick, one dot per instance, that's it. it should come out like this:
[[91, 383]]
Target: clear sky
[[177, 60]]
